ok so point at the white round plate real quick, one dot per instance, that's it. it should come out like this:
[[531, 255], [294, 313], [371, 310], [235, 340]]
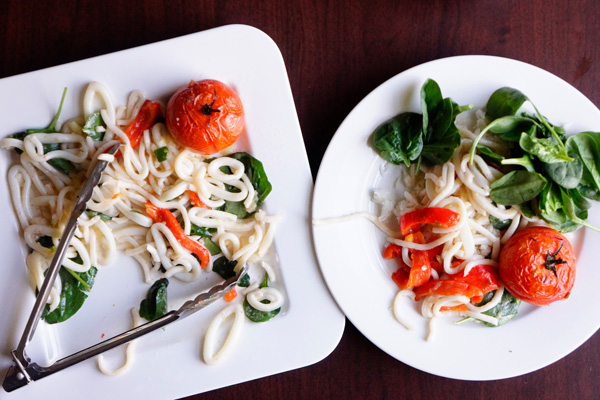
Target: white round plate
[[350, 253]]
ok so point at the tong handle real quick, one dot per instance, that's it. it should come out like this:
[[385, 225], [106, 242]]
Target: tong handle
[[24, 371], [20, 375]]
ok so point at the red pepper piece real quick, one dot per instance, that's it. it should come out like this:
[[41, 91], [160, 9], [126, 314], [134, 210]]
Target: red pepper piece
[[195, 200], [480, 280], [143, 120], [439, 216], [229, 296], [392, 251], [420, 272], [163, 215]]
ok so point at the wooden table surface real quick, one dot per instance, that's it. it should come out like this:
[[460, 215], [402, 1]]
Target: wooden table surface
[[336, 52]]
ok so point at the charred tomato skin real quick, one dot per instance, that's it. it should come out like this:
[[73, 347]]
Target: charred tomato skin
[[523, 265], [206, 116]]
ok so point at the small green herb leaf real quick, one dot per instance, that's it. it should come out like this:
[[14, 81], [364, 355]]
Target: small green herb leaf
[[162, 153], [91, 124]]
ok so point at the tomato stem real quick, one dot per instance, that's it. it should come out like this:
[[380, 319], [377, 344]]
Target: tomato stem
[[207, 108], [552, 261]]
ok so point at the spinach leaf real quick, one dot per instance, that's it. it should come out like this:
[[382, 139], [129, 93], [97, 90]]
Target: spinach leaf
[[94, 121], [499, 224], [224, 267], [244, 280], [73, 294], [544, 149], [46, 241], [256, 173], [524, 161], [201, 231], [509, 127], [442, 147], [517, 187], [400, 139], [265, 281], [431, 137], [566, 173], [236, 208], [431, 106], [103, 217], [255, 315], [506, 310], [161, 153], [586, 146], [489, 154], [504, 101], [553, 209], [212, 247], [64, 166], [576, 207], [155, 304], [527, 209]]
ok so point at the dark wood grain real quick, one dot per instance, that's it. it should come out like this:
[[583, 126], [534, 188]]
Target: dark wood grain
[[336, 52]]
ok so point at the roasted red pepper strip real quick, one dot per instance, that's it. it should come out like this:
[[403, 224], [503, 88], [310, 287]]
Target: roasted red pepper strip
[[195, 200], [480, 280], [392, 251], [143, 120], [420, 272], [163, 215], [439, 216]]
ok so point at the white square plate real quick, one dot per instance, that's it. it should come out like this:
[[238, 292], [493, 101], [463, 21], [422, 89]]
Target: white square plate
[[168, 362]]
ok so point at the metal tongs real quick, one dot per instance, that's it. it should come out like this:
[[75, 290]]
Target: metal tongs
[[23, 371]]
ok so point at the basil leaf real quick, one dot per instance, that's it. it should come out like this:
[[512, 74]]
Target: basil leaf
[[161, 153], [255, 315], [224, 267], [155, 304], [517, 187], [94, 121]]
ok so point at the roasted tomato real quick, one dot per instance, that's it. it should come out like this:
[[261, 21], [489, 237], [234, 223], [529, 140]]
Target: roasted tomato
[[206, 116], [537, 265]]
